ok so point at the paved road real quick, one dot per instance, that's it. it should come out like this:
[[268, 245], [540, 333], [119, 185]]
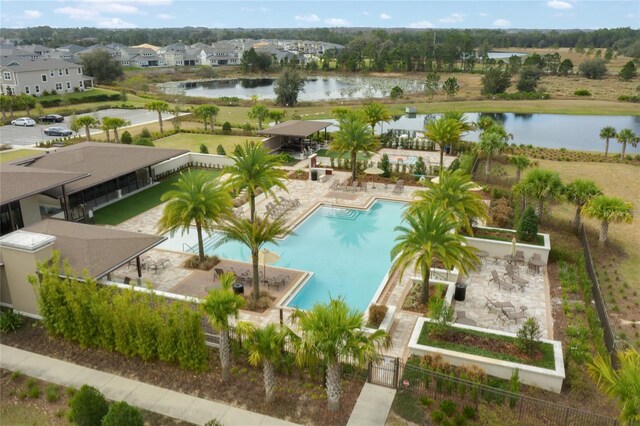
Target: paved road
[[23, 136]]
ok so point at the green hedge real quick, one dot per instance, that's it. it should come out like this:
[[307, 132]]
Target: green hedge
[[130, 322], [48, 103]]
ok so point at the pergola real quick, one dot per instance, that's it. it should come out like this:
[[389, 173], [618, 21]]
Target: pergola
[[298, 130]]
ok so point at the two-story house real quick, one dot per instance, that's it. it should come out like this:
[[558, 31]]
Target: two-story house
[[33, 77]]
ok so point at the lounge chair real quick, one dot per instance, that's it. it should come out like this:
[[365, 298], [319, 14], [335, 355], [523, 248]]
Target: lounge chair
[[461, 318], [501, 283], [494, 304], [515, 279], [354, 186], [511, 316], [399, 187]]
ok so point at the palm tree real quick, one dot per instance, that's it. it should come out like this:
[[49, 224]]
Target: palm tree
[[254, 235], [465, 125], [207, 113], [579, 192], [493, 141], [219, 305], [540, 185], [354, 136], [375, 113], [443, 131], [113, 123], [452, 193], [85, 121], [331, 332], [254, 169], [159, 107], [608, 210], [622, 384], [264, 346], [196, 199], [627, 136], [277, 115], [259, 112], [607, 133], [427, 237], [521, 162]]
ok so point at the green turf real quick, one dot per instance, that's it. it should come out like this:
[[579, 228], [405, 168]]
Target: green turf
[[129, 207], [327, 153]]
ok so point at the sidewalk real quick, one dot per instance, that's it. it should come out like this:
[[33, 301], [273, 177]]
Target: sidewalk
[[152, 398], [372, 407]]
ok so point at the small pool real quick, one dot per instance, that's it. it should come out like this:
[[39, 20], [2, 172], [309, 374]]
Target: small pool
[[348, 251], [403, 159]]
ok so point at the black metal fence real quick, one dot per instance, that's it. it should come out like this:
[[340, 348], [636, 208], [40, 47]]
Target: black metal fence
[[601, 308], [424, 387]]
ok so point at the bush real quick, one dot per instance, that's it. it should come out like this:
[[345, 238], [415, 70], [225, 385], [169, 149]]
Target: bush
[[396, 92], [448, 407], [121, 414], [143, 142], [528, 336], [632, 99], [204, 149], [437, 416], [88, 406], [220, 150], [420, 168], [376, 315], [126, 138], [385, 166], [528, 225], [468, 412], [209, 262], [582, 92], [226, 128], [145, 133], [501, 212], [52, 392], [10, 321], [442, 314]]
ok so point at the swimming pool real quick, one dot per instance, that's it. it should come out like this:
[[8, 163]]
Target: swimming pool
[[346, 249], [403, 159]]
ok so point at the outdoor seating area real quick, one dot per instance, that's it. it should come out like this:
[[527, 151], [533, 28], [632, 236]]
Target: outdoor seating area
[[348, 185], [281, 206], [148, 263]]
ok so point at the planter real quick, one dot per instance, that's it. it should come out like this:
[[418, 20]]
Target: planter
[[386, 323], [534, 376], [499, 249]]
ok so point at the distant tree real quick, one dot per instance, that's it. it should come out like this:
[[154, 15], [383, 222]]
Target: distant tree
[[26, 102], [628, 71], [259, 112], [85, 121], [159, 107], [495, 81], [607, 133], [207, 113], [101, 66], [515, 63], [450, 87], [114, 123], [608, 210], [528, 81], [432, 84], [492, 143], [521, 162], [593, 69], [253, 61], [565, 68], [579, 192], [288, 86], [396, 92], [627, 136], [277, 115], [375, 113]]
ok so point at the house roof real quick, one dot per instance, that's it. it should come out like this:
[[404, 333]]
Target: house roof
[[25, 64], [148, 46], [20, 182], [295, 128], [97, 249], [103, 161]]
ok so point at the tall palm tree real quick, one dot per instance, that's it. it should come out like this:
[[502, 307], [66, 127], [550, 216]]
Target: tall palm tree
[[207, 113], [521, 162], [196, 199], [427, 236], [264, 346], [259, 112], [114, 123], [254, 169], [375, 113], [627, 136], [159, 107], [540, 185], [254, 235], [354, 136], [607, 133], [85, 121], [219, 305], [608, 210], [463, 122], [622, 384], [579, 192], [443, 131], [329, 333], [452, 193]]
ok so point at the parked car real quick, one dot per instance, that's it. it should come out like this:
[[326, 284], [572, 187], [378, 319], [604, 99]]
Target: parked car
[[57, 131], [23, 121], [52, 118]]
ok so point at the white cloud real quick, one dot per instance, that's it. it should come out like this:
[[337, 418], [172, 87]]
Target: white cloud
[[76, 13], [421, 24], [483, 14], [385, 16], [124, 9], [631, 16], [307, 18], [501, 23], [32, 14], [164, 16], [559, 4], [452, 19], [365, 13], [114, 23], [337, 22]]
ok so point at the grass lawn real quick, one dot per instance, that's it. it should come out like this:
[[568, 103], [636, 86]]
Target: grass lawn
[[24, 415], [327, 153], [129, 207], [192, 141], [16, 154]]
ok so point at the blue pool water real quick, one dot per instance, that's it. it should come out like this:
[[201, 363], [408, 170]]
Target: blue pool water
[[346, 249]]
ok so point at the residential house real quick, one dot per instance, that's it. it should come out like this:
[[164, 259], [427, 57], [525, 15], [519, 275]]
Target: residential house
[[33, 77]]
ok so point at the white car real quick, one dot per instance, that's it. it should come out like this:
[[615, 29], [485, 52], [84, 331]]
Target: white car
[[23, 121]]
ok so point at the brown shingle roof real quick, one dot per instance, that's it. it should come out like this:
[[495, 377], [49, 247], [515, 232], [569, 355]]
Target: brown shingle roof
[[103, 161], [20, 182], [295, 128], [97, 249]]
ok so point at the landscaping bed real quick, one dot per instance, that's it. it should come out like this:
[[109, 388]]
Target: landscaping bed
[[300, 396], [497, 235], [412, 301]]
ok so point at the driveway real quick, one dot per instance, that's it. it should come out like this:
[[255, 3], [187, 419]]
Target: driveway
[[24, 136]]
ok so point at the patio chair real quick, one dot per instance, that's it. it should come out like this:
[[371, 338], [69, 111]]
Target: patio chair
[[511, 316], [531, 267], [501, 283], [461, 318], [517, 280], [354, 186], [520, 256]]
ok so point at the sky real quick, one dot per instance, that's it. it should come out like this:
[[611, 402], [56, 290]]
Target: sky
[[541, 14]]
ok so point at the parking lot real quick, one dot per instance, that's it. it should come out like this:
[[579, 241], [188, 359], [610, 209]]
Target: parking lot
[[25, 136]]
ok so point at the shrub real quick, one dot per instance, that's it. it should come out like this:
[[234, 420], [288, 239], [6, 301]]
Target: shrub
[[455, 165], [528, 336], [213, 422], [121, 413], [437, 416], [376, 315], [226, 128], [442, 314], [420, 168], [88, 406], [468, 412], [145, 133], [514, 386], [385, 165], [528, 225], [126, 138], [501, 212], [448, 407], [52, 392], [396, 92], [10, 321], [143, 142], [206, 265], [582, 92], [204, 149], [220, 150]]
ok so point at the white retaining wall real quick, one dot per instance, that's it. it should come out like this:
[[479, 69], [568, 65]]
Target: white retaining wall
[[209, 160], [502, 248]]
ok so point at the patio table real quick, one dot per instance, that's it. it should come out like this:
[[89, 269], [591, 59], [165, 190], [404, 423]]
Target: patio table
[[537, 263], [510, 259]]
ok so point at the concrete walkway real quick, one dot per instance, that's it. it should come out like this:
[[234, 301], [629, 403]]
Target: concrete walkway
[[152, 398], [372, 407]]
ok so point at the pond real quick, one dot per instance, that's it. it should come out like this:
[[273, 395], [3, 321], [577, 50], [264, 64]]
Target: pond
[[504, 55], [315, 89]]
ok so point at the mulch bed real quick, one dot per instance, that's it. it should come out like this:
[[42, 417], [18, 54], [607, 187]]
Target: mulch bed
[[299, 397], [412, 301]]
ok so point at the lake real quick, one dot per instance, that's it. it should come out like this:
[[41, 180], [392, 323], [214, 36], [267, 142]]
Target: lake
[[574, 132], [315, 89]]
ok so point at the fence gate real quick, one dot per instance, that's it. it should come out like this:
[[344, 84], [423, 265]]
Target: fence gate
[[384, 372]]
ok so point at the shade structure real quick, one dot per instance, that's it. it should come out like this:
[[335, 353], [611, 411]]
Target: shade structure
[[436, 179], [513, 246], [267, 256], [374, 171]]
